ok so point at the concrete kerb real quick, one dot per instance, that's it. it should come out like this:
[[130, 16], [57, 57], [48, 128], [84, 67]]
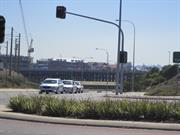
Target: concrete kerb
[[6, 114]]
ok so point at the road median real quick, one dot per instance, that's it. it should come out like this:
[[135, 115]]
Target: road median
[[6, 113]]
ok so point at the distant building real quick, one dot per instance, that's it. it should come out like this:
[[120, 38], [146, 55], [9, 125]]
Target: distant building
[[23, 62], [60, 65]]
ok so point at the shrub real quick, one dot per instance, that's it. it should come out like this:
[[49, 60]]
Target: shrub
[[90, 109]]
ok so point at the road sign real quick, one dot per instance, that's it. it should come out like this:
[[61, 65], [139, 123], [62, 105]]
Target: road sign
[[176, 57]]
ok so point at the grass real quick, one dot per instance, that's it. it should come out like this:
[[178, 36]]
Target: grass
[[167, 88], [15, 81], [90, 109], [164, 92]]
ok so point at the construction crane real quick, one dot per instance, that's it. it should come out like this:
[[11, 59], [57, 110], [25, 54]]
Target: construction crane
[[30, 48]]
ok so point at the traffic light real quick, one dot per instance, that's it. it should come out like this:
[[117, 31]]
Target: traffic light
[[60, 12], [176, 57], [123, 57], [2, 28]]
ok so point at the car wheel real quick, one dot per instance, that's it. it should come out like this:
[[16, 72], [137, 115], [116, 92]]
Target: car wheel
[[75, 91], [40, 92], [78, 90], [72, 91], [57, 91]]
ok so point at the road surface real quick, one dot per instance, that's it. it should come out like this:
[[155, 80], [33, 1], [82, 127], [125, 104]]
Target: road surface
[[14, 127]]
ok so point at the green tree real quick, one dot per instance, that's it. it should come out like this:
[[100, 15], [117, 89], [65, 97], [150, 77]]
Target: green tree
[[169, 71]]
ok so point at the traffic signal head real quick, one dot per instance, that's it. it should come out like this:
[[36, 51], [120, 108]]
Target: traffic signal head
[[2, 28], [60, 12], [123, 57]]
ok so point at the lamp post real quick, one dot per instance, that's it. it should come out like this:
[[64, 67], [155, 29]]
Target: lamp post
[[169, 57], [107, 54], [134, 45], [134, 49]]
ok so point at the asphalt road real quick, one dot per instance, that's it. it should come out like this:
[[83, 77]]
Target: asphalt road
[[6, 94], [14, 127]]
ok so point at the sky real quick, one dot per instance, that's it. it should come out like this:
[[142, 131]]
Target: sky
[[157, 24]]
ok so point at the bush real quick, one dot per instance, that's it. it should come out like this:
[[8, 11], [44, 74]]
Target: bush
[[16, 80], [90, 109], [31, 105]]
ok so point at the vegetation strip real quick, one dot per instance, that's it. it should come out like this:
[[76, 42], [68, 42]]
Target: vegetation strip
[[145, 97], [90, 109]]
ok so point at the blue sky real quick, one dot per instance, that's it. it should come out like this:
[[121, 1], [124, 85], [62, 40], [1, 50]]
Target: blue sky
[[157, 25]]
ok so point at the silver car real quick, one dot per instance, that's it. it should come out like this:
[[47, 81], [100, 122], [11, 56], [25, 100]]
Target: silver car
[[80, 87], [69, 86], [54, 85]]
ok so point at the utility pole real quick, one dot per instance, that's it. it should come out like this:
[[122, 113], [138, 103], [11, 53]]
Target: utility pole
[[6, 61], [6, 49], [10, 59], [18, 60], [15, 55]]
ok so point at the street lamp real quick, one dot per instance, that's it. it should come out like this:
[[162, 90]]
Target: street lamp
[[107, 54], [134, 43], [134, 47], [169, 57]]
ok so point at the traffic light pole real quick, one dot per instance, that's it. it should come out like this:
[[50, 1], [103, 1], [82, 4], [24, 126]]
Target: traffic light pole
[[119, 85]]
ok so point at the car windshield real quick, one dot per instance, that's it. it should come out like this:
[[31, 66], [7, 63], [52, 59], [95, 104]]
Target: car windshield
[[50, 81], [67, 82]]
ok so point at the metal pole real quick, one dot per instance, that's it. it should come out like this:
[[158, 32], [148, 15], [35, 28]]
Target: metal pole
[[107, 67], [10, 61], [134, 47], [118, 50], [6, 61], [169, 57], [122, 68], [82, 73], [18, 63], [6, 49], [15, 54]]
